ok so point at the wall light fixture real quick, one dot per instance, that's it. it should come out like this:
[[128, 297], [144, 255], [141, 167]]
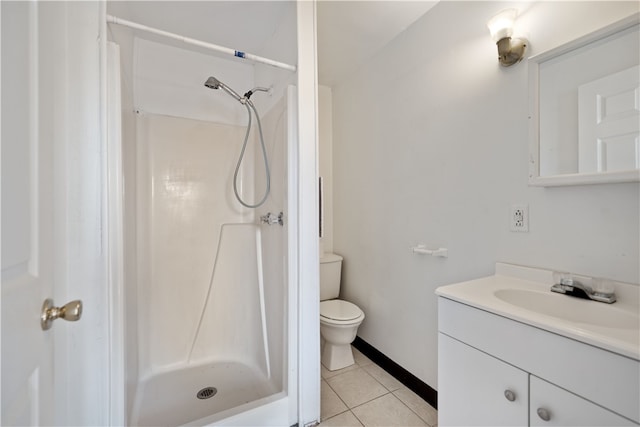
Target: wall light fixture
[[510, 51]]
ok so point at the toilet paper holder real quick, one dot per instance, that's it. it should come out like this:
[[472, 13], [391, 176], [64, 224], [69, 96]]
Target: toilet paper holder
[[422, 250]]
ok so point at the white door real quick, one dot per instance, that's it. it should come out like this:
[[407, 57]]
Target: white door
[[52, 203], [609, 123]]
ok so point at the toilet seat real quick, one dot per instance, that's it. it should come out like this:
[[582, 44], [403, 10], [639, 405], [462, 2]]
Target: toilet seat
[[339, 311]]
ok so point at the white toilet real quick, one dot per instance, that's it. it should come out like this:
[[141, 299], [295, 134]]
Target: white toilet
[[339, 320]]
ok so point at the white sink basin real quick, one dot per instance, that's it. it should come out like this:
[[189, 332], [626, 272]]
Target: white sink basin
[[523, 294], [569, 308]]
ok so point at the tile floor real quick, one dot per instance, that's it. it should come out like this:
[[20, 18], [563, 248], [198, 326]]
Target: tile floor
[[364, 394]]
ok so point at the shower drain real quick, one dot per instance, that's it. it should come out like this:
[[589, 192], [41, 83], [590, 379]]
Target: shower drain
[[206, 393]]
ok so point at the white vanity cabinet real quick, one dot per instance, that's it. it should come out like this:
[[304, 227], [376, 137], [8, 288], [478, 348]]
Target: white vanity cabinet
[[477, 389], [495, 371]]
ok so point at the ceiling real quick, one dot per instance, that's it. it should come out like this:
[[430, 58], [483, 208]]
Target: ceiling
[[349, 32], [240, 25]]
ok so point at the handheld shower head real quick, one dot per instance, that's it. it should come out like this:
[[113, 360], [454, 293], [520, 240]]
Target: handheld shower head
[[213, 83]]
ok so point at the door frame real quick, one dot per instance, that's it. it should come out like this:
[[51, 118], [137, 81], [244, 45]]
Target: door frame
[[113, 218], [308, 280], [303, 274]]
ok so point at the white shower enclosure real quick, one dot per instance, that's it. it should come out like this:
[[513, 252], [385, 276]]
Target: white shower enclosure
[[208, 309], [209, 297]]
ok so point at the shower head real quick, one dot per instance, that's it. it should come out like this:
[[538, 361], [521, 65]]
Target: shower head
[[213, 83]]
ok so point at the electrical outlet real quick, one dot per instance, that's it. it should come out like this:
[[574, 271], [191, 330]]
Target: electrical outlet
[[519, 219]]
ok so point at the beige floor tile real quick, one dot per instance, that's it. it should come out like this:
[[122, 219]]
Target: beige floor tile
[[425, 411], [383, 377], [360, 358], [325, 373], [356, 387], [346, 419], [330, 403], [387, 411]]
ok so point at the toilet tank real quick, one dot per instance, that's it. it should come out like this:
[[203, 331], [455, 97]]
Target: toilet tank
[[330, 269]]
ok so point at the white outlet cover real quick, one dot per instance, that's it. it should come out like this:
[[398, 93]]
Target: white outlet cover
[[519, 218]]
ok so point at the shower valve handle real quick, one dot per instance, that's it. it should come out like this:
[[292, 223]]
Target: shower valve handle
[[272, 219]]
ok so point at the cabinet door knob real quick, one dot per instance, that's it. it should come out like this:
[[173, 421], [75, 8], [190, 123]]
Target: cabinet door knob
[[544, 414], [510, 395]]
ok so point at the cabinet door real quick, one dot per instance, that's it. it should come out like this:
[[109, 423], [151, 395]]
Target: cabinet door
[[562, 408], [472, 386]]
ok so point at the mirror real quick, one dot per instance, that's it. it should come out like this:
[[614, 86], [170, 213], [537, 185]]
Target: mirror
[[584, 102]]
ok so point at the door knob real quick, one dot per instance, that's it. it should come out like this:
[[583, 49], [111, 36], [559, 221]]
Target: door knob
[[71, 311]]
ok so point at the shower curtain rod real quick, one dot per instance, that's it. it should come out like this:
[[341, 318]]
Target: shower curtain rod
[[238, 54]]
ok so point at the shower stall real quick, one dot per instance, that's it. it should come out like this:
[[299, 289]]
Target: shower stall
[[207, 292]]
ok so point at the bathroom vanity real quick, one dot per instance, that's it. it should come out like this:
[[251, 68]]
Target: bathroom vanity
[[510, 352]]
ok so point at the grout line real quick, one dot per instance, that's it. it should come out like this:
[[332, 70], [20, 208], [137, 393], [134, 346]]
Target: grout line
[[344, 412], [356, 417], [384, 372], [341, 400], [425, 421], [370, 400], [417, 415], [422, 389], [333, 416], [400, 400], [387, 390]]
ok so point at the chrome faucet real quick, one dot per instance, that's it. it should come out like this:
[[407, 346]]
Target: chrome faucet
[[571, 286]]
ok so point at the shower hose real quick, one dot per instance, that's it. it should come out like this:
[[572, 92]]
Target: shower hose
[[249, 106]]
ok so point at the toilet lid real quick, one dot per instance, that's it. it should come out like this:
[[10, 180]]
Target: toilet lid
[[339, 310]]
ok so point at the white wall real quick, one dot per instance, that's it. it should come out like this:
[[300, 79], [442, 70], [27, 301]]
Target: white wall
[[170, 81], [431, 146], [325, 164], [281, 46], [185, 168]]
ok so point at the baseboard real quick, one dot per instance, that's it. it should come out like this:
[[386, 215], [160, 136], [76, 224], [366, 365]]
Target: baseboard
[[412, 382]]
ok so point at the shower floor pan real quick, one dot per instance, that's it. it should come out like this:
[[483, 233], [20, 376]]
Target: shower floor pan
[[170, 398]]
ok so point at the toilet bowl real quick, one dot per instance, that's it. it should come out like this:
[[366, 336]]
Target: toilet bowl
[[339, 322], [339, 319]]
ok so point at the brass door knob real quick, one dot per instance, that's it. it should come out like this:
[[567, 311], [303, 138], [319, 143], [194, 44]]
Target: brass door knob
[[71, 311]]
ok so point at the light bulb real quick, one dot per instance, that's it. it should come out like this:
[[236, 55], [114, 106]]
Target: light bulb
[[501, 25]]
